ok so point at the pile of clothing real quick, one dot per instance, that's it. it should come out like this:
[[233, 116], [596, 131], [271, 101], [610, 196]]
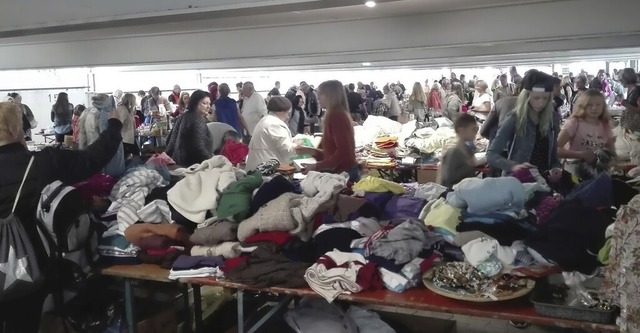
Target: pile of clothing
[[267, 230], [313, 315]]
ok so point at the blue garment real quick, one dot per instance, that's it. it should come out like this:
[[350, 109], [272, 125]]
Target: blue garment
[[594, 193], [489, 195], [62, 121], [227, 112], [493, 217], [520, 147]]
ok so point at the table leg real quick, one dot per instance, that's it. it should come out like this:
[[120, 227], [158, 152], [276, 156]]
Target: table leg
[[276, 309], [129, 306], [187, 308], [197, 307], [240, 301]]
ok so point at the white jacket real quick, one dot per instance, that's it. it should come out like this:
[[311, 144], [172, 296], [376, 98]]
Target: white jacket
[[271, 140], [253, 109]]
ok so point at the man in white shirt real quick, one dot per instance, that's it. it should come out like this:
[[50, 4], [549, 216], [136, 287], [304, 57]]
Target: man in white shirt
[[272, 138], [253, 106]]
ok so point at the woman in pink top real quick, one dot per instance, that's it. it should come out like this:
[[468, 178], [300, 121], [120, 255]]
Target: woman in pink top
[[587, 131]]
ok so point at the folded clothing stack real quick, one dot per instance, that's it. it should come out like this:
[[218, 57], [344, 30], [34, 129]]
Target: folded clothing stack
[[196, 266], [386, 142], [160, 250], [338, 272]]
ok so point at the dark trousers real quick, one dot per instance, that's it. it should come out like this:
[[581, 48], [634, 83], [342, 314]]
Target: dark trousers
[[22, 315], [60, 137]]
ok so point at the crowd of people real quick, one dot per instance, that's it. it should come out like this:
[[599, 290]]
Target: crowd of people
[[521, 116]]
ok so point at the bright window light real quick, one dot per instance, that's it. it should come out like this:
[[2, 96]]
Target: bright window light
[[370, 4], [366, 64]]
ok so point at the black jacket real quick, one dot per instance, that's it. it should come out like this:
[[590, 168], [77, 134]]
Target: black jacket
[[190, 142], [48, 166]]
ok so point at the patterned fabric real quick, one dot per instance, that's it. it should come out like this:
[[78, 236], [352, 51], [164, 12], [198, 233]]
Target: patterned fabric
[[268, 168], [379, 108], [128, 195], [622, 276], [630, 120]]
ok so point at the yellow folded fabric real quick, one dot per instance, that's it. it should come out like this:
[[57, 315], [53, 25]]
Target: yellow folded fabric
[[378, 185], [443, 216]]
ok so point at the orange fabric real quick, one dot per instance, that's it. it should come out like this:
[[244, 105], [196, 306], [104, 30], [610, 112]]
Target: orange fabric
[[172, 231]]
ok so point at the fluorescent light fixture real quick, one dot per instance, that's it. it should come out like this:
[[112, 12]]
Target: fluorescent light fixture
[[366, 64], [370, 4]]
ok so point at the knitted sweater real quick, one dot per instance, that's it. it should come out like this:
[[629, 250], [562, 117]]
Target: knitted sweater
[[200, 190], [235, 202], [294, 213]]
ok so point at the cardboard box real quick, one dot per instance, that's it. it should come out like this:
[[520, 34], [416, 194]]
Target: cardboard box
[[162, 322], [427, 176]]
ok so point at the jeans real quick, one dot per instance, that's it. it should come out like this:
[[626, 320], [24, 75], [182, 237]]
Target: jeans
[[115, 168], [60, 137], [354, 174]]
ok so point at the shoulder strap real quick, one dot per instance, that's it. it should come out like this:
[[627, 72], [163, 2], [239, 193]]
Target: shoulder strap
[[575, 134], [24, 178]]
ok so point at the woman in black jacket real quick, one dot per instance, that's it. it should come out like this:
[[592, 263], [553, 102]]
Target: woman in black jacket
[[296, 120], [190, 142], [23, 314]]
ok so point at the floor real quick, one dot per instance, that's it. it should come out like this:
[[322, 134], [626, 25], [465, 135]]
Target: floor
[[466, 324]]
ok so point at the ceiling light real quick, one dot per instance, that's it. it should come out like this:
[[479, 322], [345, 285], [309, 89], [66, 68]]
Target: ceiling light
[[370, 4], [366, 64]]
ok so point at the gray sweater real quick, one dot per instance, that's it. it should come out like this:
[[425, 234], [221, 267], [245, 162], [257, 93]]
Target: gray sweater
[[457, 165]]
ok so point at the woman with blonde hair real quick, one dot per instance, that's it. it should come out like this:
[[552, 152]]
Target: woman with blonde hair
[[482, 100], [418, 103], [529, 135], [587, 133], [127, 109], [183, 101], [337, 148], [453, 103]]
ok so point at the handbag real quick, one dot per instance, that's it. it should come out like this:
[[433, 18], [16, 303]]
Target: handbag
[[20, 273]]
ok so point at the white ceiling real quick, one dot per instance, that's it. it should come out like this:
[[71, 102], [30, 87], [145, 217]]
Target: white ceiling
[[48, 13], [157, 16], [312, 34]]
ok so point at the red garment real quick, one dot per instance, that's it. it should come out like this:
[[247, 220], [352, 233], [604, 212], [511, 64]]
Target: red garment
[[338, 144], [163, 252], [99, 185], [235, 152], [426, 264], [176, 97], [280, 238], [435, 100], [230, 264], [369, 278]]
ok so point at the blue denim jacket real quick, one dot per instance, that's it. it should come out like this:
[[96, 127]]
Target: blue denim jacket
[[520, 147]]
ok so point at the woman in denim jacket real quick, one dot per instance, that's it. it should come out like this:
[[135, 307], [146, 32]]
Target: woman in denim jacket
[[529, 134]]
